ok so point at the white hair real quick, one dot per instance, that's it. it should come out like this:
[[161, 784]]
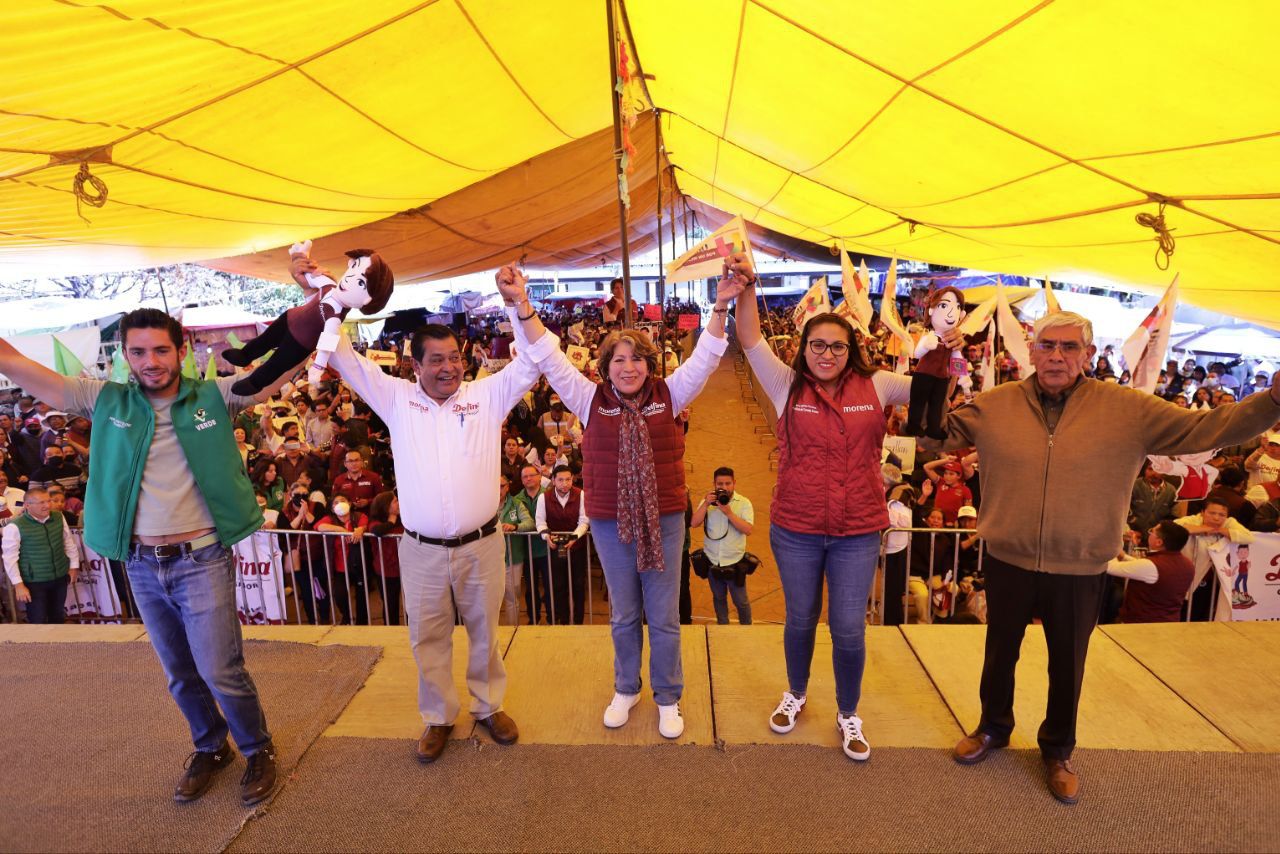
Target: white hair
[[1057, 319]]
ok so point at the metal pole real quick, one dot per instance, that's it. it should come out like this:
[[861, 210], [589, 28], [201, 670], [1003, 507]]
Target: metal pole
[[657, 167], [628, 320]]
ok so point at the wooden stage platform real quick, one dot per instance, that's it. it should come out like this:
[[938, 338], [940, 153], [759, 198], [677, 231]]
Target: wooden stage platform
[[1179, 687]]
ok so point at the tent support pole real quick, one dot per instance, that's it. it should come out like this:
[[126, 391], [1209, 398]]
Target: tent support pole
[[628, 321], [657, 168]]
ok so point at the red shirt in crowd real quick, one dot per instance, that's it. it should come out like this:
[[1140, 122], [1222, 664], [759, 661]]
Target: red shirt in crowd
[[1160, 602], [361, 489], [339, 547], [949, 499]]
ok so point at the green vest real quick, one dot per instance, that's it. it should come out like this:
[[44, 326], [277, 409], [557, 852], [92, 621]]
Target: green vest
[[124, 422], [42, 556], [537, 545]]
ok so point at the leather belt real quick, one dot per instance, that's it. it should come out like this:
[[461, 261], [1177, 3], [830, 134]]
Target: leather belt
[[168, 551], [453, 542]]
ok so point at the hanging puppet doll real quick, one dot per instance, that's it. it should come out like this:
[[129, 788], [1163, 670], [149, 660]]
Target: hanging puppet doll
[[937, 365], [314, 325]]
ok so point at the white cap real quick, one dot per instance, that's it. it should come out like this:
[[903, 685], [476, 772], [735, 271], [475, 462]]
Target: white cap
[[1271, 436], [967, 512]]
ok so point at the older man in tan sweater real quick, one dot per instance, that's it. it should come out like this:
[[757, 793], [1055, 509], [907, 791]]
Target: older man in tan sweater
[[1059, 455]]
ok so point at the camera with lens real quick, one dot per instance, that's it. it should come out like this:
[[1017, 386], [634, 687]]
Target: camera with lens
[[298, 498], [723, 496], [561, 541]]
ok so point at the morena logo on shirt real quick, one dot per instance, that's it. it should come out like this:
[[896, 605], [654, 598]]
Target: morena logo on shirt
[[860, 407]]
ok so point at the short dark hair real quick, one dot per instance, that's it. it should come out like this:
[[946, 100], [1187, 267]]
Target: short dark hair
[[1173, 535], [150, 318], [528, 466], [723, 471], [434, 331], [1221, 502], [1232, 476], [558, 469]]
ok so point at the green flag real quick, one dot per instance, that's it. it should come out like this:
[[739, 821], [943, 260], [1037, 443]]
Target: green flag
[[64, 361], [119, 367], [211, 368], [189, 368], [234, 341]]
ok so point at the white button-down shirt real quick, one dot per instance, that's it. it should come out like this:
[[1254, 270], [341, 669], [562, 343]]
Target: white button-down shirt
[[446, 455]]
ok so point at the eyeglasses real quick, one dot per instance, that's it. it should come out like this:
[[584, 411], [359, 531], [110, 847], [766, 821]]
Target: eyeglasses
[[1068, 348], [838, 348]]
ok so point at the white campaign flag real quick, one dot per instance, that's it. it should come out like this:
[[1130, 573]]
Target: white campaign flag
[[856, 286], [817, 300], [260, 579], [1144, 350], [889, 310], [707, 258], [976, 320], [93, 596], [1012, 334]]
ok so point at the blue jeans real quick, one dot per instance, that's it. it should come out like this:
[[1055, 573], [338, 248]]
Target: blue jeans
[[188, 605], [653, 596], [849, 566], [721, 589]]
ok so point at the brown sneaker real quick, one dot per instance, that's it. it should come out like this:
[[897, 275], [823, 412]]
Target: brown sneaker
[[501, 727], [433, 741], [199, 772], [1064, 782], [259, 779], [975, 747]]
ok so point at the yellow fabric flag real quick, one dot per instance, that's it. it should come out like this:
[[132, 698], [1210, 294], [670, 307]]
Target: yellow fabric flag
[[1050, 301]]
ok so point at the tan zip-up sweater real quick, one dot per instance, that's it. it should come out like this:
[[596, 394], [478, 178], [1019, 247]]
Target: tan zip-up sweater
[[1058, 502]]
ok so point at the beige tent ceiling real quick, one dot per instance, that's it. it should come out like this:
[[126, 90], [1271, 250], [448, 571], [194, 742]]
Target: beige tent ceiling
[[1014, 136]]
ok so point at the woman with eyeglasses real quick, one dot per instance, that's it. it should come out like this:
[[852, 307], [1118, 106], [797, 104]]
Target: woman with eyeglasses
[[829, 504]]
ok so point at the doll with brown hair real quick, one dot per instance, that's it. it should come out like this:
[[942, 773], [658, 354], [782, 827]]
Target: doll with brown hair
[[367, 285], [931, 380]]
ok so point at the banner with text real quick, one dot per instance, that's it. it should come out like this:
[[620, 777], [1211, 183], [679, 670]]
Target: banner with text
[[259, 579], [93, 598], [1249, 579]]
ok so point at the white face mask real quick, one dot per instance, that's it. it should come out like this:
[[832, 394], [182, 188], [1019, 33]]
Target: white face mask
[[341, 508]]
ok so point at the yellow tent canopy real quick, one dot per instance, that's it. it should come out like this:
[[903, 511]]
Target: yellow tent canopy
[[1019, 137]]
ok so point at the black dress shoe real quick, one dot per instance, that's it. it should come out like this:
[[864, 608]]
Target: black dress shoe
[[433, 742], [199, 772], [974, 748], [259, 778]]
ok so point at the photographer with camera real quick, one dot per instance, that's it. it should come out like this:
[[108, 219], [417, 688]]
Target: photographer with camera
[[561, 520], [727, 520]]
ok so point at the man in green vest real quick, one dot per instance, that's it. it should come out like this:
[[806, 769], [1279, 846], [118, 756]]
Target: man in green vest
[[167, 495], [41, 558]]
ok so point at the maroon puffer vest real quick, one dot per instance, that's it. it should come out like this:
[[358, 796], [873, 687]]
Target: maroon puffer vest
[[829, 478], [600, 449]]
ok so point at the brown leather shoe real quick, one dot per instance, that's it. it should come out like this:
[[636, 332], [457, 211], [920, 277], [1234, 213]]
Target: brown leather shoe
[[433, 742], [199, 772], [501, 727], [259, 779], [1064, 782], [975, 747]]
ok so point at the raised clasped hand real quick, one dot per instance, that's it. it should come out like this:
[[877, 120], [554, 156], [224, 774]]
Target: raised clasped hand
[[511, 284]]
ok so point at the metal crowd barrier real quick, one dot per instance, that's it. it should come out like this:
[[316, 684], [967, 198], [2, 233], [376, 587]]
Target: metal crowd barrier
[[315, 590], [879, 588]]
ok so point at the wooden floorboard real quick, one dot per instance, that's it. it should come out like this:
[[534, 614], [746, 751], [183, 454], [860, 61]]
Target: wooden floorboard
[[1122, 705], [560, 678], [899, 705], [70, 633], [1230, 677], [387, 705]]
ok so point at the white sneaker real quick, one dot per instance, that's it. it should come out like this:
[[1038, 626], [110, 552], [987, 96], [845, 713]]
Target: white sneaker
[[670, 724], [854, 742], [618, 712], [784, 717]]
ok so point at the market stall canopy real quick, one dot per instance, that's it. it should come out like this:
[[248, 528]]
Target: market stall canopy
[[1019, 137]]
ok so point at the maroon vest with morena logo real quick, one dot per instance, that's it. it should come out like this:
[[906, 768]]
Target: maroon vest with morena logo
[[600, 449], [829, 478]]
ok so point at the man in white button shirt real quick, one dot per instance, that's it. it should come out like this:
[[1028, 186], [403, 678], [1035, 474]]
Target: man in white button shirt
[[445, 442]]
